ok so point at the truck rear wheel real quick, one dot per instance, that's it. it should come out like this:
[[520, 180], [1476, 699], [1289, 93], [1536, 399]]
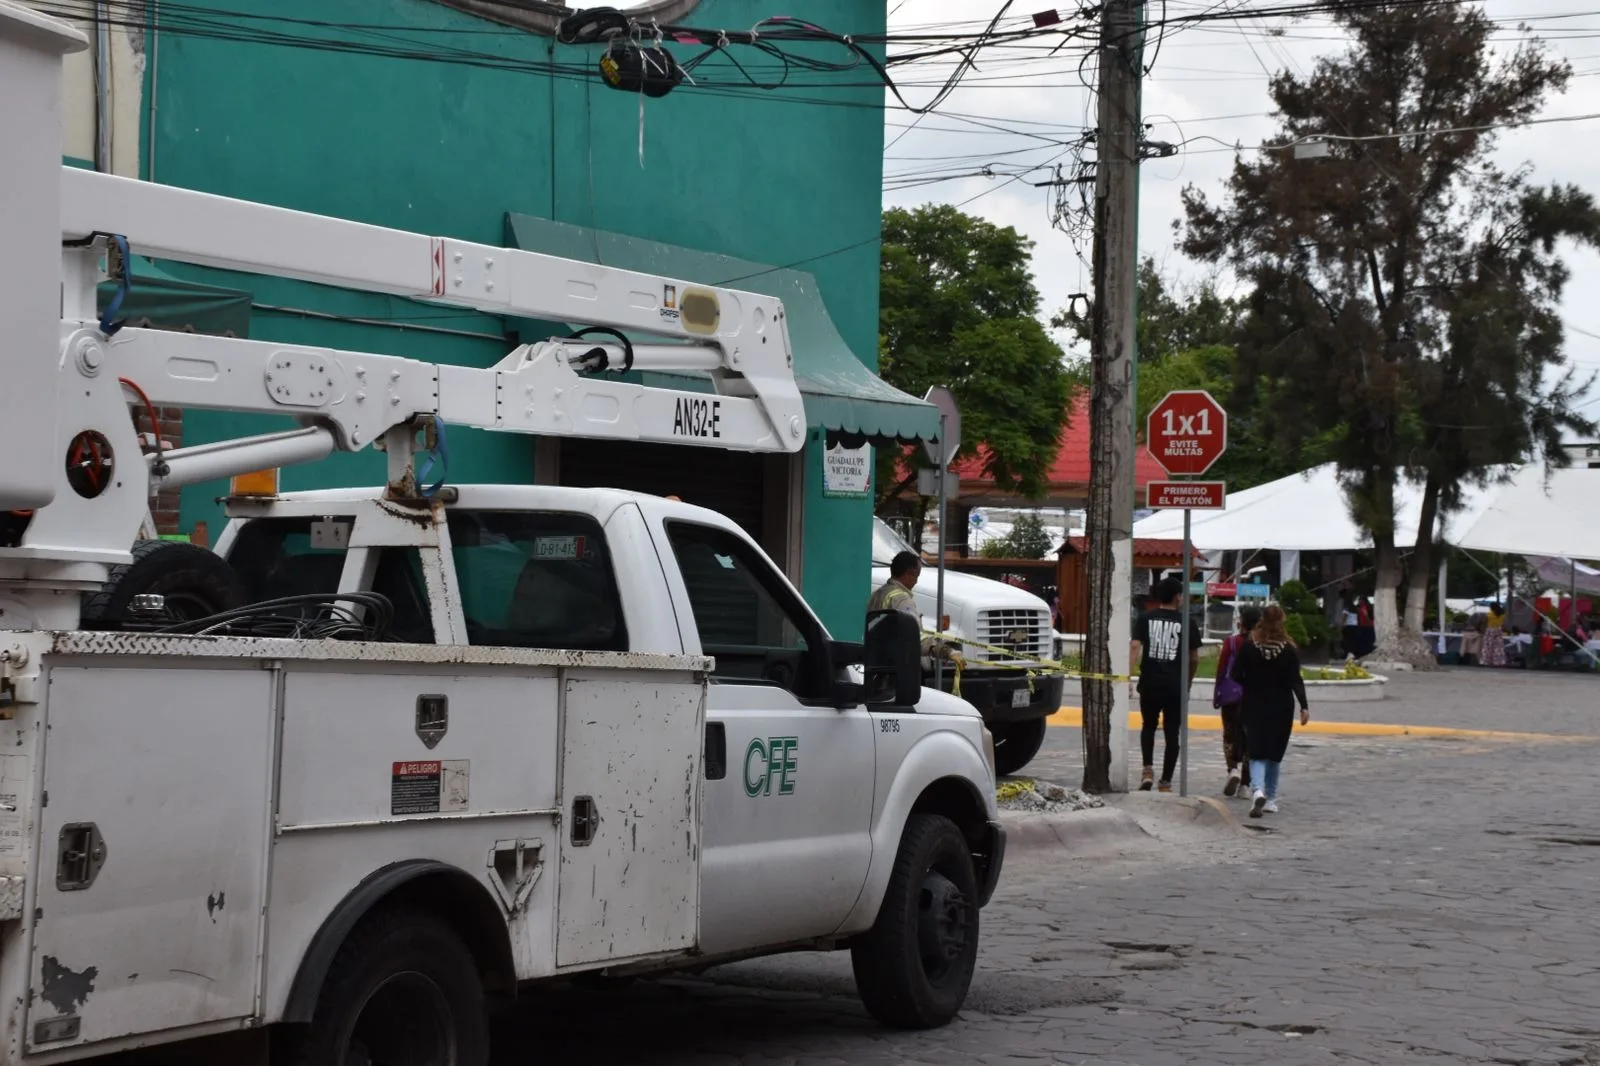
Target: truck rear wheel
[[1016, 743], [914, 966], [403, 990]]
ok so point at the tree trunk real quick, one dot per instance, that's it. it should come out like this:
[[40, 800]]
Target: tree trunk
[[1385, 609], [1422, 559], [1395, 644], [1410, 646], [1385, 605]]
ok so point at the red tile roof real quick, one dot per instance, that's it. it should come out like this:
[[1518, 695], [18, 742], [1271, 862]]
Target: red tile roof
[[1146, 546], [1072, 465]]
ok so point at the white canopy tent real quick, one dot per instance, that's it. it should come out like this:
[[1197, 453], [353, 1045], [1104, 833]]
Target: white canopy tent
[[1307, 512], [1533, 511], [1538, 512], [1566, 575]]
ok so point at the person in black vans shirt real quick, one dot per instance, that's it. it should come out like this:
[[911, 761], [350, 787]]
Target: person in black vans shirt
[[1157, 638]]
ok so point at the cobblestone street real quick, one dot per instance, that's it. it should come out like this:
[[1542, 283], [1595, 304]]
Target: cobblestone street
[[1417, 900]]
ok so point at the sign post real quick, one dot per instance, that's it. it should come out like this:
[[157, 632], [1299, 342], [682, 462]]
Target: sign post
[[1187, 432], [941, 453]]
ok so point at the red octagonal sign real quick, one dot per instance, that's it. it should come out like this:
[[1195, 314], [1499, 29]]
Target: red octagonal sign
[[1187, 431]]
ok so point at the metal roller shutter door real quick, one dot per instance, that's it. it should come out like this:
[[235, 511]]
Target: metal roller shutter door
[[726, 481]]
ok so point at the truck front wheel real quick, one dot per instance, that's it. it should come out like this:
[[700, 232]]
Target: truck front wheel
[[914, 966], [402, 989], [1016, 743]]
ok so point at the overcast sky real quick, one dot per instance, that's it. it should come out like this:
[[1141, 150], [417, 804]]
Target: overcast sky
[[1209, 81]]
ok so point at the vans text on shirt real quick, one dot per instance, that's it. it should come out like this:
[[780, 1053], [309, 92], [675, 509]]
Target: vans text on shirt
[[1160, 635]]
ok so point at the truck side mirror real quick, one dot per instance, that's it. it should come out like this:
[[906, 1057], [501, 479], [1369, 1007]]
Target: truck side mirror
[[845, 653], [893, 659]]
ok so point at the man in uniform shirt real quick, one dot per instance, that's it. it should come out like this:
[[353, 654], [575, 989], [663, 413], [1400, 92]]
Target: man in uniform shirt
[[896, 595], [1156, 641]]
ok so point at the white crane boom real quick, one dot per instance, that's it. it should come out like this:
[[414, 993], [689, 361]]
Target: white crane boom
[[555, 388], [74, 490], [75, 486]]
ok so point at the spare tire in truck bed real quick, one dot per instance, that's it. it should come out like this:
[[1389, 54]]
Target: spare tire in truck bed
[[194, 581]]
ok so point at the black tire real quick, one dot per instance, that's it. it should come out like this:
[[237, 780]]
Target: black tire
[[913, 968], [1016, 743], [196, 582], [403, 990]]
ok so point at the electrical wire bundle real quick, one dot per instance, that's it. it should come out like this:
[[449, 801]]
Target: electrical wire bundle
[[1071, 204], [309, 616], [779, 39]]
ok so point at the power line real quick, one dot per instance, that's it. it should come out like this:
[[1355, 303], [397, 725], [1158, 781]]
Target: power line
[[186, 20], [1312, 138]]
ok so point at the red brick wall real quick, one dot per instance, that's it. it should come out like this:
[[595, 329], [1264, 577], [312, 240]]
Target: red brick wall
[[163, 505]]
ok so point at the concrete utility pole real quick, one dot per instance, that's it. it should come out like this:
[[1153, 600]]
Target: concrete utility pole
[[1112, 342]]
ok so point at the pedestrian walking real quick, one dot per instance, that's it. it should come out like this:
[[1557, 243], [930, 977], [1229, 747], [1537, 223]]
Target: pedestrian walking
[[1350, 620], [1494, 637], [1157, 637], [1226, 698], [1269, 670]]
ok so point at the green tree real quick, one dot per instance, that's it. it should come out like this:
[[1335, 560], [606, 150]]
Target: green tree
[[1350, 256], [958, 308], [1173, 318], [1027, 539], [1485, 400]]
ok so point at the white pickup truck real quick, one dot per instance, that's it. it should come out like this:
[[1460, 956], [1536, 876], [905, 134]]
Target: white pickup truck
[[389, 755], [1009, 629], [582, 730]]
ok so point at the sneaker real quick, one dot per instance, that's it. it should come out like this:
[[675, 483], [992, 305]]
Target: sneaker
[[1165, 786], [1233, 783], [1271, 806], [1147, 780], [1258, 803]]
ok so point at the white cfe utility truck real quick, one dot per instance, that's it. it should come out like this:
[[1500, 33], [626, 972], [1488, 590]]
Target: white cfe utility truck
[[388, 756]]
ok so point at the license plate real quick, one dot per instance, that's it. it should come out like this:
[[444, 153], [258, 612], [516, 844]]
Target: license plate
[[1021, 698]]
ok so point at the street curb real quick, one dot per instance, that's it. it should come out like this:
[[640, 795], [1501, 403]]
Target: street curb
[[1221, 810], [1072, 717], [1202, 811], [1100, 830], [1128, 822]]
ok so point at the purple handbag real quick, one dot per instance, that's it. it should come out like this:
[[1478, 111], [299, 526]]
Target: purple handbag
[[1228, 691]]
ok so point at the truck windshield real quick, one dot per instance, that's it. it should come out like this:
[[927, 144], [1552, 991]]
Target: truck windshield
[[886, 543]]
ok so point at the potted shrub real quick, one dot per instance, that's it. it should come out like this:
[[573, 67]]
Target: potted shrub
[[1307, 624]]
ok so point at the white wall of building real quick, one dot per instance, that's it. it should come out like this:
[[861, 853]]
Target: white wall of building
[[125, 86]]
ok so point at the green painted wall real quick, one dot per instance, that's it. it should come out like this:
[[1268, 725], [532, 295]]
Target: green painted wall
[[448, 149]]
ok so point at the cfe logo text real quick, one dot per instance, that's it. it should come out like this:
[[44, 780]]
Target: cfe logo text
[[768, 762]]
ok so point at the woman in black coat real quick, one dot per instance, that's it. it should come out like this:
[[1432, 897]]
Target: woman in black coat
[[1269, 670]]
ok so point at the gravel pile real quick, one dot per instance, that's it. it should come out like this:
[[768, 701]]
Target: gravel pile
[[1045, 798]]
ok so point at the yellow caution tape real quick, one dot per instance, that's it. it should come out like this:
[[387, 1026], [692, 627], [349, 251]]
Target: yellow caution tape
[[1033, 666]]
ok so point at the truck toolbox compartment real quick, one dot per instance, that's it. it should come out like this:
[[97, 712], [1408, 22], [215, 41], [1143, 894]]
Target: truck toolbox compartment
[[211, 802]]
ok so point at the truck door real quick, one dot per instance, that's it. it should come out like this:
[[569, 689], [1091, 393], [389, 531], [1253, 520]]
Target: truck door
[[789, 777]]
